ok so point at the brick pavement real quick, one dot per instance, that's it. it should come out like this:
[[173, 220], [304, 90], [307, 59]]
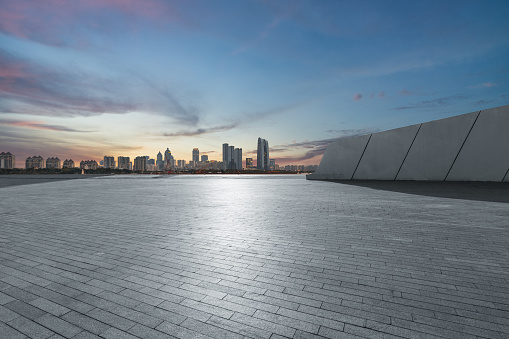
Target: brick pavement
[[250, 257]]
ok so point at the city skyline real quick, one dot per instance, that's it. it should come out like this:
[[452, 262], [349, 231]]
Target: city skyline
[[84, 79]]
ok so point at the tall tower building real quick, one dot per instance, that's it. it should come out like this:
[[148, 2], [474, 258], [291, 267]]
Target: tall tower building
[[169, 161], [159, 162], [123, 162], [237, 159], [204, 158], [226, 157], [196, 155], [262, 155], [109, 162], [140, 164]]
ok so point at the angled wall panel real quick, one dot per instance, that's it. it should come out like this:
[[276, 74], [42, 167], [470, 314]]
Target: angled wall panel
[[385, 153], [435, 148], [341, 158], [485, 154]]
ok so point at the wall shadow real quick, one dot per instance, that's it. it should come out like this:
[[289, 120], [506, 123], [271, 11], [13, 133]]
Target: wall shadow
[[479, 191]]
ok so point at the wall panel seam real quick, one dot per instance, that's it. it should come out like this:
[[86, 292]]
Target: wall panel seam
[[406, 155], [358, 163], [463, 144]]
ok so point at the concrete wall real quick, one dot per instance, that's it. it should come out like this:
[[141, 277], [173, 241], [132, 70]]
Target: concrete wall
[[468, 147]]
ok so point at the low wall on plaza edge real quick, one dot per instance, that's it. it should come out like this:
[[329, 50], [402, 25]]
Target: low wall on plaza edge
[[467, 147]]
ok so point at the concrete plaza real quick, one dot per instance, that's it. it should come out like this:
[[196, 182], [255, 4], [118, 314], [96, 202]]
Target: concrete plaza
[[253, 257]]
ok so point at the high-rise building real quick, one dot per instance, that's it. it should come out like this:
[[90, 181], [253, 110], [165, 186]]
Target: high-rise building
[[68, 163], [34, 162], [108, 162], [237, 159], [181, 163], [151, 164], [53, 163], [89, 164], [169, 161], [140, 164], [7, 160], [204, 158], [226, 156], [159, 162], [196, 155], [272, 164], [262, 155], [123, 162], [249, 162]]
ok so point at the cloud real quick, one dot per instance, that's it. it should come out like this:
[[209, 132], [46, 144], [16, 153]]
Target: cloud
[[65, 23], [482, 102], [27, 87], [357, 97], [37, 125], [201, 131], [265, 32], [316, 147], [381, 94], [405, 92], [485, 85], [445, 101]]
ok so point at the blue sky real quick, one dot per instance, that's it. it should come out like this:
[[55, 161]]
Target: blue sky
[[84, 79]]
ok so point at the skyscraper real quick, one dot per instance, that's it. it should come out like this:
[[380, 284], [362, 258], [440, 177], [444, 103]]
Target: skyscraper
[[123, 162], [204, 158], [109, 162], [196, 155], [237, 159], [226, 156], [159, 162], [169, 161], [262, 155], [140, 164]]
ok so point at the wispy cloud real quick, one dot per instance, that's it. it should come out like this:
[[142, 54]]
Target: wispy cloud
[[201, 131], [444, 101], [265, 32], [381, 94], [38, 125], [315, 148], [357, 97], [405, 92], [65, 23], [485, 85], [31, 88]]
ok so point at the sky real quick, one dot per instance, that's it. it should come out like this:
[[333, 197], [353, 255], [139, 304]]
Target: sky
[[82, 79]]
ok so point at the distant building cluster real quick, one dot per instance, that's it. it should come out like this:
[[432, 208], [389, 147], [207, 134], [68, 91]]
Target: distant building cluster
[[232, 160]]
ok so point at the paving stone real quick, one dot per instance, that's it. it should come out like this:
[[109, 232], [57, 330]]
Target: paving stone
[[323, 260], [58, 325], [85, 322], [11, 333], [30, 328]]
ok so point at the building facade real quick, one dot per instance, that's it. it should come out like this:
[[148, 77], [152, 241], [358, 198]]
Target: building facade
[[123, 162], [140, 164], [169, 161], [272, 164], [108, 162], [68, 163], [34, 162], [204, 158], [237, 159], [249, 162], [196, 155], [7, 160], [159, 162], [53, 163], [262, 155], [89, 164]]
